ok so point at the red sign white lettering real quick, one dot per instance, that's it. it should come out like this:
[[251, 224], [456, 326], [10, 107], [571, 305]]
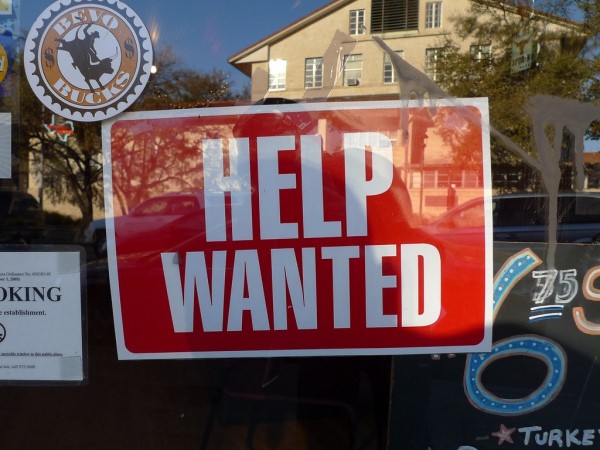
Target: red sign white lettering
[[299, 230]]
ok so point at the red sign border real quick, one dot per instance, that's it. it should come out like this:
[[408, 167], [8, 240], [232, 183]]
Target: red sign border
[[485, 345]]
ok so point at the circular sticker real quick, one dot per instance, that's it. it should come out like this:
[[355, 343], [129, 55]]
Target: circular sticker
[[88, 60], [3, 63]]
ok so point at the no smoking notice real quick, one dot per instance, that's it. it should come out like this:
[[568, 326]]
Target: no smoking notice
[[40, 317]]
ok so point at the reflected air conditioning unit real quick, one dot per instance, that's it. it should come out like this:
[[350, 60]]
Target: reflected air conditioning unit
[[353, 82]]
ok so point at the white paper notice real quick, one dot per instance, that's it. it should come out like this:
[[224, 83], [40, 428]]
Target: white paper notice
[[40, 316]]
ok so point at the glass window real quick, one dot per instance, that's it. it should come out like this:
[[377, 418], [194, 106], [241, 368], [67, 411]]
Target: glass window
[[277, 72], [471, 180], [586, 209], [394, 15], [430, 178], [519, 211], [481, 52], [313, 72], [443, 179], [415, 180], [357, 21], [352, 70], [281, 212], [152, 208], [432, 56], [433, 15], [465, 217], [389, 73]]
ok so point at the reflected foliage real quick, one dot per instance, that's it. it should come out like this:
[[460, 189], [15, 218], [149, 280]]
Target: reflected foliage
[[562, 67], [157, 156], [176, 86], [72, 169], [461, 131]]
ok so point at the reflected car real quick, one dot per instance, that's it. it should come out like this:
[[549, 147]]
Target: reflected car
[[95, 235], [21, 218], [524, 218], [166, 212]]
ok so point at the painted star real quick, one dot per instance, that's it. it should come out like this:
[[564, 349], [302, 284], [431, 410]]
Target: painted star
[[504, 434]]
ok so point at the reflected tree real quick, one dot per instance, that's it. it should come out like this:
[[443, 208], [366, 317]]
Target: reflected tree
[[69, 170], [561, 67], [461, 130], [149, 160], [176, 86], [540, 113], [72, 169]]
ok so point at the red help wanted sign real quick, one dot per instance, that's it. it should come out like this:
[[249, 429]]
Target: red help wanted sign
[[304, 229]]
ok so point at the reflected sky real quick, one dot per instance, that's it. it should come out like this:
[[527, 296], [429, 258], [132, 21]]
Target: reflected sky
[[205, 34]]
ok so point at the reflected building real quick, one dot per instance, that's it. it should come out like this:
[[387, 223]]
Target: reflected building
[[332, 54]]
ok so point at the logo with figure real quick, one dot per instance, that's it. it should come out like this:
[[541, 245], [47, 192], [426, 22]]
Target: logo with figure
[[88, 61], [2, 333]]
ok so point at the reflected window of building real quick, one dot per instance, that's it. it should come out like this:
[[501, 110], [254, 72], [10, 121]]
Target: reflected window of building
[[313, 73], [441, 178], [352, 70], [277, 72], [433, 15], [430, 178], [481, 52], [432, 56], [394, 15], [357, 21], [389, 74]]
